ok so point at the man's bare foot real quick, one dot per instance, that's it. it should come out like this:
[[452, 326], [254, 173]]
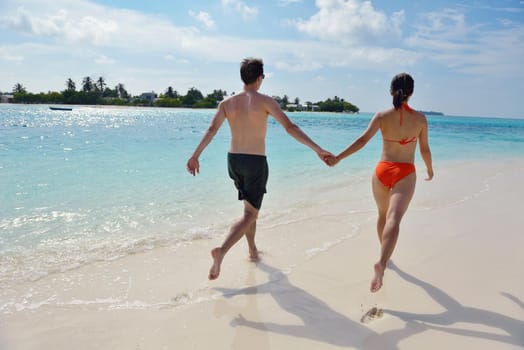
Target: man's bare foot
[[214, 271], [376, 282]]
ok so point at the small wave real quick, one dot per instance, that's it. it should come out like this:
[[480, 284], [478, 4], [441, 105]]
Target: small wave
[[63, 254], [327, 245], [483, 187], [182, 299], [20, 221]]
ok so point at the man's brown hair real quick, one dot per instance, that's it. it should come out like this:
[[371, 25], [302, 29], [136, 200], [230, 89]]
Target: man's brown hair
[[251, 69]]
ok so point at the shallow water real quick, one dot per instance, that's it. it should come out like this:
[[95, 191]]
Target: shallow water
[[101, 183]]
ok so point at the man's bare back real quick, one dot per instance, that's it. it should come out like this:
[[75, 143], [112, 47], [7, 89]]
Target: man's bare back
[[247, 115]]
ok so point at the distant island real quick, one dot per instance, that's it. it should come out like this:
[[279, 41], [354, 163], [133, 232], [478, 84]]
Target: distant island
[[431, 113], [97, 92]]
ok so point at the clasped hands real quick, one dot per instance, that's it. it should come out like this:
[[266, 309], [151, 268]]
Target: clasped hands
[[328, 158]]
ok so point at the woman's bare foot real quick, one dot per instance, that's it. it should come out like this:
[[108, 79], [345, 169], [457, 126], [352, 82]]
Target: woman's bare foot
[[254, 255], [376, 282], [217, 255]]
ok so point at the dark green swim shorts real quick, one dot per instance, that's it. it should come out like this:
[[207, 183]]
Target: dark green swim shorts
[[250, 173]]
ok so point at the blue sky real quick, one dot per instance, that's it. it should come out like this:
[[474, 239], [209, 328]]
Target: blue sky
[[466, 57]]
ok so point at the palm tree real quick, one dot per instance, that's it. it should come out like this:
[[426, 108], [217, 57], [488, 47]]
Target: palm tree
[[71, 86], [122, 92], [19, 88], [284, 102], [170, 92], [101, 83], [87, 84], [309, 105], [217, 95]]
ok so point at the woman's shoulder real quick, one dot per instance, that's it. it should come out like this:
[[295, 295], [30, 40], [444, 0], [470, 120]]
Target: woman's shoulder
[[385, 113], [419, 115]]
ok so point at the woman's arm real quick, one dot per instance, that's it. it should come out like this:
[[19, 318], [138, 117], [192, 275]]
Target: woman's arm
[[425, 152], [361, 141]]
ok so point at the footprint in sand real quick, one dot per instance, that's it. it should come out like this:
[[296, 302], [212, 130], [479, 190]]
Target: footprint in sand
[[372, 315]]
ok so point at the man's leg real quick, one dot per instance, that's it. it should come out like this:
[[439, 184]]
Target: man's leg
[[236, 232], [250, 236]]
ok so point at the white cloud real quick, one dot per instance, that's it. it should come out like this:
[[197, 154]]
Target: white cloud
[[241, 7], [440, 31], [103, 59], [285, 3], [15, 59], [351, 21], [22, 21], [129, 34], [492, 8], [446, 37], [171, 58], [80, 22], [204, 18], [6, 55], [298, 65], [61, 24], [448, 22]]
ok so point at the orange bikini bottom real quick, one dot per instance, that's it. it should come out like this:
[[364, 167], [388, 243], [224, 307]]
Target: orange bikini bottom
[[389, 173]]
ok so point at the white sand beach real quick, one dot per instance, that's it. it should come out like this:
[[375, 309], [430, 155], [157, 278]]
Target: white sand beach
[[456, 280]]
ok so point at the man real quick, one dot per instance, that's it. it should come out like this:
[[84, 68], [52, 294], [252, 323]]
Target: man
[[247, 114]]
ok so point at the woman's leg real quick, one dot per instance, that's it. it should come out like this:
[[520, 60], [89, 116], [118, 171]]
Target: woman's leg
[[381, 194], [400, 197]]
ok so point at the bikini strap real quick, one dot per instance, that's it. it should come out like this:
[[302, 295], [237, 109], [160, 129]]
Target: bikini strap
[[406, 107]]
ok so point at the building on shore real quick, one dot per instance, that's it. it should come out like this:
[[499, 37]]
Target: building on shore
[[292, 107], [150, 97], [7, 98]]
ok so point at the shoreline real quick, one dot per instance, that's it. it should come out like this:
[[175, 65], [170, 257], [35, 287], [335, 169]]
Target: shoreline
[[360, 113], [455, 281]]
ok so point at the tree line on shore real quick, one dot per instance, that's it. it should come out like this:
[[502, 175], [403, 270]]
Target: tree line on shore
[[97, 92]]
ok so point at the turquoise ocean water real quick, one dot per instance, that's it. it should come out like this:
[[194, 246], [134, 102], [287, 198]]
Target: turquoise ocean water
[[100, 183]]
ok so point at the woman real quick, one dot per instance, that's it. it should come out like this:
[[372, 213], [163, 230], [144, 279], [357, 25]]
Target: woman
[[394, 178]]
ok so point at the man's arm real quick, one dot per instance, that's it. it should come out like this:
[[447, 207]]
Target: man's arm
[[293, 129], [193, 166]]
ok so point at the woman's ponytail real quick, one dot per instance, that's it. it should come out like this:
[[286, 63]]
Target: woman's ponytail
[[398, 98], [402, 86]]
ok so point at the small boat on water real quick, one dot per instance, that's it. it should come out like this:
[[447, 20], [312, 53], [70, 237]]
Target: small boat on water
[[60, 108]]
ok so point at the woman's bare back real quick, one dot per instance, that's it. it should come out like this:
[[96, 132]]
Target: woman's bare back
[[400, 130]]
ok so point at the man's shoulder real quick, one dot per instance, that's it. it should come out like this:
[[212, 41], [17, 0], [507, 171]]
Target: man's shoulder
[[229, 101], [229, 98], [253, 96], [265, 99]]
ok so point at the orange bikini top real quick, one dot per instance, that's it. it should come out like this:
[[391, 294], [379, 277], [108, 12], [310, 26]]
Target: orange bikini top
[[405, 140]]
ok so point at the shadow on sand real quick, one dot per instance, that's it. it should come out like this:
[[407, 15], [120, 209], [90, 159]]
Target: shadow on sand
[[512, 329], [319, 322]]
